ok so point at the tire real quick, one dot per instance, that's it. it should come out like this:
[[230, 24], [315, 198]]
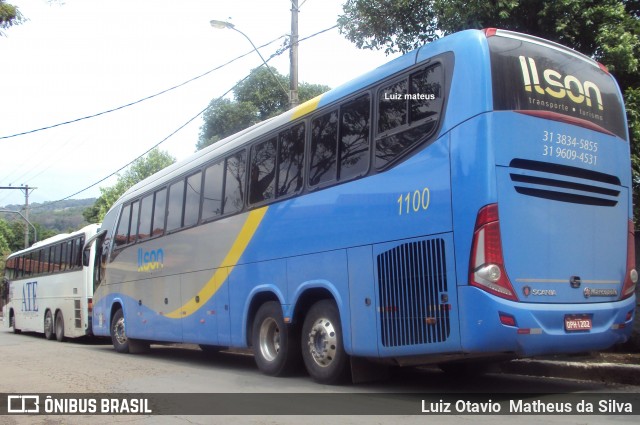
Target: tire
[[276, 345], [48, 326], [59, 327], [322, 346], [118, 333]]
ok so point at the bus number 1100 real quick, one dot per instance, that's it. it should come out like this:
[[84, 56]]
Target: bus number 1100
[[413, 202]]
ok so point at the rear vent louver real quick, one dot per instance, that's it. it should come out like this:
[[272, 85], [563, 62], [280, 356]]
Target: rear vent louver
[[563, 183], [414, 305]]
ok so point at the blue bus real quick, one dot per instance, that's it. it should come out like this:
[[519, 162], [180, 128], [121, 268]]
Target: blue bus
[[470, 200]]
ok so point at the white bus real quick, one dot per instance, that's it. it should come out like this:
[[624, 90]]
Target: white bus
[[48, 289]]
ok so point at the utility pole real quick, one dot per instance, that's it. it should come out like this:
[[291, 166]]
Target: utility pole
[[293, 55], [26, 214], [25, 189]]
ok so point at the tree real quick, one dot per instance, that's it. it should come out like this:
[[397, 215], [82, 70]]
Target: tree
[[142, 168], [256, 99], [607, 30], [9, 16]]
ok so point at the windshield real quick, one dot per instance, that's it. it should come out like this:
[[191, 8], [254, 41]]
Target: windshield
[[530, 75]]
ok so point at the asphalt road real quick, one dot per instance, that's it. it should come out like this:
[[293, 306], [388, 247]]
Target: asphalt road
[[32, 365]]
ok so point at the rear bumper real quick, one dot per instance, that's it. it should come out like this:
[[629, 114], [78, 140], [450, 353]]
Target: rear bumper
[[539, 327]]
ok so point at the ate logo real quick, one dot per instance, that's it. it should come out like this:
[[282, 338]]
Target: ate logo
[[29, 296]]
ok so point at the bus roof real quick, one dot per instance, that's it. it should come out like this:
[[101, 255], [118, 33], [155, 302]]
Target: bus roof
[[86, 230]]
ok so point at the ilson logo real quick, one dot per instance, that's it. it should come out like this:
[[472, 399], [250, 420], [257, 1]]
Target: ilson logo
[[558, 86], [150, 260]]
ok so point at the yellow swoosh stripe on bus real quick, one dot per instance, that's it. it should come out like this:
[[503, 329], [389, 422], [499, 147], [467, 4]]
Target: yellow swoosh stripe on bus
[[306, 107], [233, 256]]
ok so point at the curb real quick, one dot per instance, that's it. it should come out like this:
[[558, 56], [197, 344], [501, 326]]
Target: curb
[[628, 374]]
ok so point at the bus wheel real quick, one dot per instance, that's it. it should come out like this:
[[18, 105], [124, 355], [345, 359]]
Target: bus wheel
[[48, 326], [59, 327], [322, 348], [118, 334], [274, 343]]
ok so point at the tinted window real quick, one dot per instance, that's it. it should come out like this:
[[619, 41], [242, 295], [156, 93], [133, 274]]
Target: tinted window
[[133, 230], [123, 226], [324, 143], [426, 93], [146, 211], [159, 209], [263, 171], [290, 160], [192, 200], [234, 183], [392, 106], [64, 253], [174, 213], [354, 138], [528, 76], [212, 197], [46, 260], [408, 113], [55, 261]]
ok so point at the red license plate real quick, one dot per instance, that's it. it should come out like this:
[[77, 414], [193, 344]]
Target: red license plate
[[577, 323]]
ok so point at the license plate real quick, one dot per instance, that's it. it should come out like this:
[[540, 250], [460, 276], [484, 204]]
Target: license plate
[[577, 323]]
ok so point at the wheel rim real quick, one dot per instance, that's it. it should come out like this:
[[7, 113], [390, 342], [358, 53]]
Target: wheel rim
[[118, 331], [48, 324], [323, 342], [269, 339]]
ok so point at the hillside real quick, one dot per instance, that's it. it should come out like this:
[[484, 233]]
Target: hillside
[[60, 217]]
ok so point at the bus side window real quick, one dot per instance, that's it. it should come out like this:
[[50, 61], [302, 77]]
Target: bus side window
[[392, 106], [234, 189], [192, 199], [263, 172], [63, 256], [354, 138], [133, 228], [159, 212], [408, 113], [290, 160], [176, 204], [324, 143], [146, 211], [213, 185], [123, 227]]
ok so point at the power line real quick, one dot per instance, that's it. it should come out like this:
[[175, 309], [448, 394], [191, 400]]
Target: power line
[[49, 127], [277, 53]]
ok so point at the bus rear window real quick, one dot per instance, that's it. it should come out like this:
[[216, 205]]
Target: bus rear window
[[532, 76]]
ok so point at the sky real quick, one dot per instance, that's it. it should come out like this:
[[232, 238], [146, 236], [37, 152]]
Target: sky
[[75, 58]]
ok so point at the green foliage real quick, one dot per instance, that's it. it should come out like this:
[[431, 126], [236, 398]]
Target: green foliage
[[223, 118], [263, 91], [390, 24], [142, 168], [9, 16], [256, 99], [607, 30]]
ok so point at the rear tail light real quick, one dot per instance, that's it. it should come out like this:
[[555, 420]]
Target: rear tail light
[[490, 32], [90, 305], [631, 275], [486, 270]]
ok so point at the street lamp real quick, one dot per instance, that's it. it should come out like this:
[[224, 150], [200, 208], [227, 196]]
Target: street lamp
[[35, 231], [228, 25]]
